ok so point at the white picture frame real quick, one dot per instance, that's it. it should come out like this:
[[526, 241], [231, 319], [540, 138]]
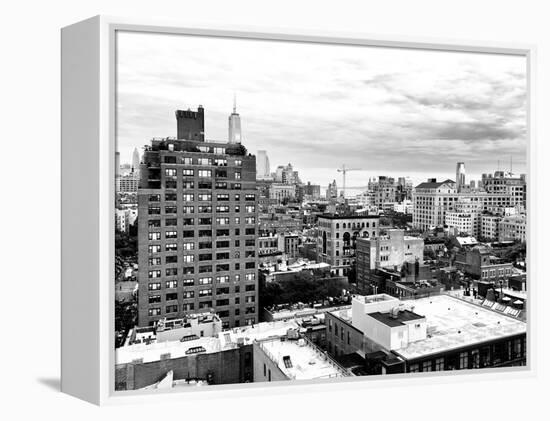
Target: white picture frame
[[88, 150]]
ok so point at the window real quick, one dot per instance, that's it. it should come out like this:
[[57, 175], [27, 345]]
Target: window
[[171, 296], [237, 220], [188, 172], [222, 221], [205, 173], [222, 209], [250, 265], [222, 233], [251, 242], [171, 259], [220, 162], [250, 208], [171, 234], [205, 257], [205, 233], [250, 288], [154, 299], [154, 236], [414, 368], [205, 292], [171, 271], [171, 284], [154, 274], [250, 231], [188, 184], [222, 256], [237, 186], [250, 220], [188, 282], [154, 286], [205, 281], [154, 261], [205, 245], [250, 299], [171, 184], [154, 311], [222, 197], [188, 197], [170, 222], [224, 302], [188, 307], [222, 268], [249, 197], [237, 197], [250, 276], [237, 175], [221, 173], [204, 161], [170, 172], [205, 197], [222, 279], [188, 209], [154, 223], [463, 359], [426, 366], [188, 294], [170, 159], [221, 185], [188, 258], [222, 244], [205, 209], [205, 269], [171, 247], [205, 221], [154, 198], [154, 210], [222, 291], [172, 309], [154, 249], [440, 364], [238, 162]]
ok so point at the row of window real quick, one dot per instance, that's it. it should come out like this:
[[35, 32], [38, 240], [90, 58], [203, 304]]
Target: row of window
[[171, 209], [187, 184], [249, 277], [219, 162], [156, 311], [173, 296], [187, 172]]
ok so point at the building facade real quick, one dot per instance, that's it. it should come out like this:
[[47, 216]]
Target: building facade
[[197, 230], [337, 237]]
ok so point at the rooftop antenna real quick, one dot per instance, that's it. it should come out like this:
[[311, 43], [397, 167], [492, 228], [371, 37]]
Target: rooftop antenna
[[234, 103], [511, 164]]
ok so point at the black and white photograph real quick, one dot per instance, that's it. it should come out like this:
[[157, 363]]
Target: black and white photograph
[[307, 211]]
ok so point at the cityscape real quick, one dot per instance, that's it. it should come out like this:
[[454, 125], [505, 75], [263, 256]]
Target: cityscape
[[231, 271], [347, 220]]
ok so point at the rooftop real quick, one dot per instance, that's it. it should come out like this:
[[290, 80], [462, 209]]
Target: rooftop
[[228, 339], [454, 323], [433, 184], [397, 320], [331, 216], [299, 360]]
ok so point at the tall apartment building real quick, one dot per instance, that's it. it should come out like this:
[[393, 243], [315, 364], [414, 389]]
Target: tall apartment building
[[312, 191], [433, 199], [197, 234], [332, 190], [337, 237], [128, 183]]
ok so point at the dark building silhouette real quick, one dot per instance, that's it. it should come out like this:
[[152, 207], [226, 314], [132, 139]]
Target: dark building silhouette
[[191, 124]]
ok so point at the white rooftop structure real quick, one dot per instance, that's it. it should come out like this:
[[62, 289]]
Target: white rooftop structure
[[299, 360]]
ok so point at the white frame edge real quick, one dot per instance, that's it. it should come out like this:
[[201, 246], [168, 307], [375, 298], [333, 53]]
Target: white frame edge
[[88, 131]]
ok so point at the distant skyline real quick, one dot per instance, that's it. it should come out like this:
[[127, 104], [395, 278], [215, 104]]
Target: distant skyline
[[395, 112]]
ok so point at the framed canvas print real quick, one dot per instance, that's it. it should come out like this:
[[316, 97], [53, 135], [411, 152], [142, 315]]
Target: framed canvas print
[[249, 210]]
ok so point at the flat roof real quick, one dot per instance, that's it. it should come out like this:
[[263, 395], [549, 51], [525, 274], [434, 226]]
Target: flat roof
[[300, 361], [454, 323], [400, 318], [225, 340], [329, 216]]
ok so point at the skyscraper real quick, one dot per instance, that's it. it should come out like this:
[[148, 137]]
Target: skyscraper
[[460, 176], [262, 166], [197, 235], [135, 160], [235, 135]]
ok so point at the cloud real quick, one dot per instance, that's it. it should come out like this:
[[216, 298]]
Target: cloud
[[406, 111]]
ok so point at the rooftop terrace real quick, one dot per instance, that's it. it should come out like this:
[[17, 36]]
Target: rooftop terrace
[[299, 360]]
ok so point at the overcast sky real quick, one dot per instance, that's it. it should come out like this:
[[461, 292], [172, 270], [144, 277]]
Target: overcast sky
[[394, 112]]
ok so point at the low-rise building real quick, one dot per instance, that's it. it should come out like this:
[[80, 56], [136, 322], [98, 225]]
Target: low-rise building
[[436, 333], [513, 228]]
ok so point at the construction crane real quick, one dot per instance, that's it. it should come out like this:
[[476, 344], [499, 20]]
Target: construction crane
[[344, 170]]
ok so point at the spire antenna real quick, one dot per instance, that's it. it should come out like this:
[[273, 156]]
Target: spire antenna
[[234, 103]]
